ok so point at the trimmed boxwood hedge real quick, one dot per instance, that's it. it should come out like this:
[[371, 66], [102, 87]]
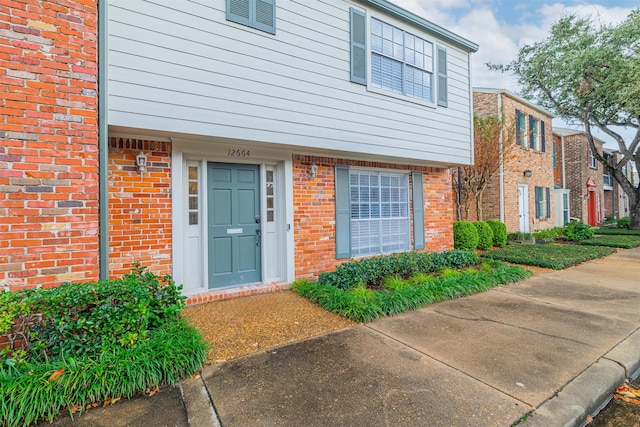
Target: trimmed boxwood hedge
[[499, 232], [465, 236], [485, 235]]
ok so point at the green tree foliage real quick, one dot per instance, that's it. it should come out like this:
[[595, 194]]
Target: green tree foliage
[[588, 73]]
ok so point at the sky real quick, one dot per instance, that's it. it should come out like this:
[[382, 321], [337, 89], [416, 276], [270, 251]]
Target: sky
[[501, 27]]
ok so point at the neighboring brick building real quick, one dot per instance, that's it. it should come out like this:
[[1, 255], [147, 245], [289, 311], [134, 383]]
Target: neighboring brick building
[[254, 167], [522, 194], [582, 174], [616, 202], [48, 143]]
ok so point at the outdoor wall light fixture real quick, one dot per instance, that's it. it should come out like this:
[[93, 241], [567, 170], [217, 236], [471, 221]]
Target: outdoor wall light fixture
[[313, 171], [586, 196], [527, 173], [141, 162]]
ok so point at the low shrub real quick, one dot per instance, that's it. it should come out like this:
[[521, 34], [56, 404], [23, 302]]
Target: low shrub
[[617, 231], [548, 235], [620, 241], [38, 390], [90, 318], [555, 256], [499, 232], [485, 235], [465, 236], [360, 306], [624, 222], [519, 237], [577, 231], [372, 271]]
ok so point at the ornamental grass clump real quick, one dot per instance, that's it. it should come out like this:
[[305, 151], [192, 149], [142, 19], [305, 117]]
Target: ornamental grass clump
[[81, 344]]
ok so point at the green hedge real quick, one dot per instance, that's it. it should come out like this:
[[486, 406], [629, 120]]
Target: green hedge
[[89, 318], [372, 271], [499, 232], [31, 393], [465, 236], [485, 235], [362, 304]]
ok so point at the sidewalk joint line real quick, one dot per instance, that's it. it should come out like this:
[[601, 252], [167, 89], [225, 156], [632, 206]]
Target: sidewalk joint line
[[450, 366]]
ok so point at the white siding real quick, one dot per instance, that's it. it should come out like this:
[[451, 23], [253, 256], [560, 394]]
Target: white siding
[[178, 66]]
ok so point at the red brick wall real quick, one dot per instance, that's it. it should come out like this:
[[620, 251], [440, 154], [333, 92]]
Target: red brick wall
[[524, 158], [139, 206], [314, 210], [578, 172], [48, 142]]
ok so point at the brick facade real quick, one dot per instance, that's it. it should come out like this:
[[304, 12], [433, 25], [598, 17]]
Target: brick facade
[[524, 158], [48, 143], [139, 207], [578, 173], [314, 210]]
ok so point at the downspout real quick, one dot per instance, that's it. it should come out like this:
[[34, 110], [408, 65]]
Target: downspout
[[564, 183], [499, 95], [103, 140]]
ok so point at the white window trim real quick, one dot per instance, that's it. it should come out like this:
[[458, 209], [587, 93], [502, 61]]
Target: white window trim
[[404, 27]]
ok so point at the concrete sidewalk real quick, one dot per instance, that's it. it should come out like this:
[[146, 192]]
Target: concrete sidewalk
[[556, 344], [552, 348]]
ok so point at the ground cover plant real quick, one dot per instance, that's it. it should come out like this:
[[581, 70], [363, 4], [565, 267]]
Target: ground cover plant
[[617, 231], [555, 256], [82, 344], [577, 231], [614, 241], [365, 300]]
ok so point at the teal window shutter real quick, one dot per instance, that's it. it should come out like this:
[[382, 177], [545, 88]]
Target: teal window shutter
[[343, 213], [259, 14], [239, 11], [548, 201], [265, 16], [443, 94], [417, 191], [358, 46], [542, 143], [532, 134]]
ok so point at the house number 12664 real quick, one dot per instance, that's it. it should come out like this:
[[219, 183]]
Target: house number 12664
[[234, 152]]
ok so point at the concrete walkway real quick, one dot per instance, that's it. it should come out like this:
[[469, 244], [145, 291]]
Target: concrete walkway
[[552, 348], [556, 344]]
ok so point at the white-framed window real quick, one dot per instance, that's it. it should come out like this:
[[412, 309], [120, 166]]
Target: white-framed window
[[193, 194], [593, 162], [401, 62], [521, 128], [534, 128], [380, 221], [543, 202]]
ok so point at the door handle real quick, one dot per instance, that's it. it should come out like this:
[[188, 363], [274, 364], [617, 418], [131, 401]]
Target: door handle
[[259, 236]]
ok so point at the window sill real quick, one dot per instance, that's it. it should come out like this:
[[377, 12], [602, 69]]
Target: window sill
[[396, 95]]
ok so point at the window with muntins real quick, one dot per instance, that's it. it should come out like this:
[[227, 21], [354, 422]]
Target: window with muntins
[[401, 62], [379, 212], [543, 205], [258, 14], [593, 162], [521, 128]]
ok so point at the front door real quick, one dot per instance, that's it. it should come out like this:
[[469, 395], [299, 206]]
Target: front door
[[523, 207], [234, 225]]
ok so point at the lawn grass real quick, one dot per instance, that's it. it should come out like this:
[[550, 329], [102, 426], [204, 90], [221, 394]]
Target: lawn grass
[[616, 231], [363, 304], [614, 241], [555, 256]]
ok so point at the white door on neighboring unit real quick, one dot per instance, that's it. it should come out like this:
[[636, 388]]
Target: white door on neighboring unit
[[523, 207]]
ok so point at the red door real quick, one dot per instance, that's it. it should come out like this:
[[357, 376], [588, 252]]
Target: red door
[[591, 209]]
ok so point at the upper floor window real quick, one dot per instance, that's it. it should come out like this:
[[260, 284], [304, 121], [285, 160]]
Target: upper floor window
[[399, 61], [555, 155], [531, 130], [593, 162], [258, 14]]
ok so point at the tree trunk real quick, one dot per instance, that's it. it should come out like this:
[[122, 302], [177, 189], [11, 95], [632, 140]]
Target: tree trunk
[[479, 206], [634, 213]]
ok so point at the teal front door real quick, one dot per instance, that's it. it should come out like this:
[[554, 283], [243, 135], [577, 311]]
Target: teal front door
[[234, 224]]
